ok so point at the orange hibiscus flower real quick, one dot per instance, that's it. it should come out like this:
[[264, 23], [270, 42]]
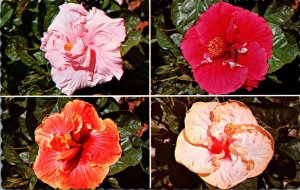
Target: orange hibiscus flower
[[76, 147], [223, 143]]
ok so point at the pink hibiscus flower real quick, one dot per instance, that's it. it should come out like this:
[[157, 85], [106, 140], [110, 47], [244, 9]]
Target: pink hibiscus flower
[[228, 49], [83, 47], [76, 147], [223, 143]]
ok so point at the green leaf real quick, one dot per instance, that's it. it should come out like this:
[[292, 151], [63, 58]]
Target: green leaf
[[25, 157], [133, 39], [284, 51], [163, 40], [43, 108], [250, 183], [128, 123], [51, 13], [40, 57], [23, 126], [176, 38], [15, 44], [278, 14], [101, 102], [10, 155], [112, 107], [33, 153], [27, 59], [274, 79], [292, 148], [60, 104], [6, 13], [29, 174], [131, 158], [185, 13]]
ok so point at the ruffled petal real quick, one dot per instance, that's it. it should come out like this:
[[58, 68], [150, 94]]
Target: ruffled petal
[[196, 158], [103, 148], [214, 22], [70, 21], [53, 45], [46, 165], [245, 23], [192, 49], [219, 78], [103, 29], [54, 124], [80, 174], [87, 114], [70, 80], [258, 146], [230, 173], [197, 124], [255, 59]]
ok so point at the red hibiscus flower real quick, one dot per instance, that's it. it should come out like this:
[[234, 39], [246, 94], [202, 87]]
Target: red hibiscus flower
[[76, 147], [228, 49]]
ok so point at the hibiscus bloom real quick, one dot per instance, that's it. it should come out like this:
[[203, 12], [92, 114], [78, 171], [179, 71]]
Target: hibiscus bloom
[[76, 147], [223, 143], [228, 49], [83, 47]]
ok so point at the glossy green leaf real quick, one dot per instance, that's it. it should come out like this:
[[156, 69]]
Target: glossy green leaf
[[128, 123], [186, 13], [250, 183], [60, 104], [10, 155], [40, 57], [6, 13], [293, 148], [25, 157], [29, 174], [131, 158], [278, 14], [23, 126], [101, 102], [133, 39], [112, 107], [284, 51], [176, 38]]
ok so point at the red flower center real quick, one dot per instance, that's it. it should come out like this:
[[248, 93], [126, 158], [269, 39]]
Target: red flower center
[[218, 146], [216, 46]]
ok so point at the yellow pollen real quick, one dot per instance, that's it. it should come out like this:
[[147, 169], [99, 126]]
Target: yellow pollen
[[216, 46], [66, 138], [68, 46]]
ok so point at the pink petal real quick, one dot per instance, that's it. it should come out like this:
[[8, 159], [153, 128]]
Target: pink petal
[[255, 59], [70, 21], [196, 158], [192, 49], [217, 78], [119, 1], [70, 80], [251, 28], [197, 124]]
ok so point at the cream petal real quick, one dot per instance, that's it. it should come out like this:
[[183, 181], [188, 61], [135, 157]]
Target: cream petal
[[258, 145], [195, 157], [230, 173], [197, 122]]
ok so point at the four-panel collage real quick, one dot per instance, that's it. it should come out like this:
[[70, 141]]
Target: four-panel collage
[[140, 94]]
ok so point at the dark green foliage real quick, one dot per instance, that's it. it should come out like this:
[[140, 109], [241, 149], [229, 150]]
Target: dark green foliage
[[277, 115], [21, 116]]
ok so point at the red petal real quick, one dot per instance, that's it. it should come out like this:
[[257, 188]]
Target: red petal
[[68, 154], [103, 148], [216, 78], [192, 49], [46, 165], [87, 113], [256, 61], [214, 22], [251, 28]]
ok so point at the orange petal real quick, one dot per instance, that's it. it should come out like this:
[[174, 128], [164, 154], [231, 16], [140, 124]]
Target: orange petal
[[197, 122], [46, 165], [230, 173], [196, 158], [103, 148], [68, 154], [54, 124], [83, 175], [87, 113]]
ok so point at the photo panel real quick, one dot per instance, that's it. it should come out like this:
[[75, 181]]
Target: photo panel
[[225, 142], [75, 47], [238, 47], [75, 143]]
